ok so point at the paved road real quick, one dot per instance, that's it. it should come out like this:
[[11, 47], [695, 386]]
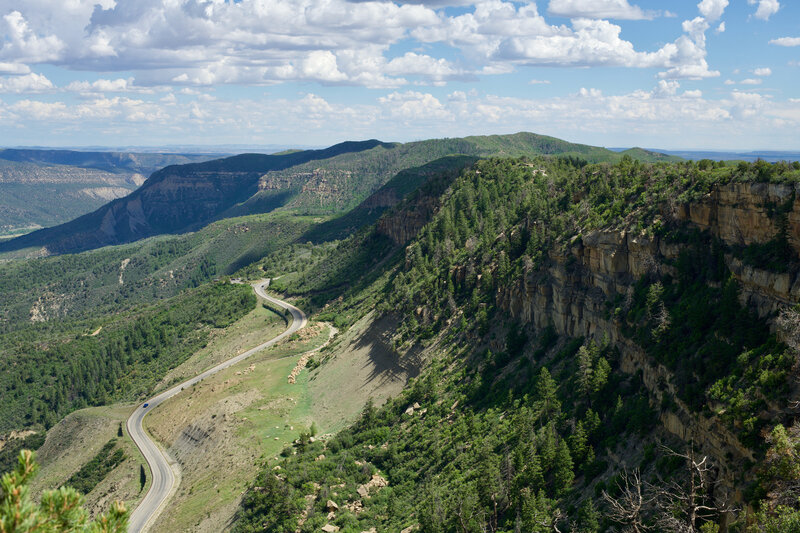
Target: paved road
[[162, 476]]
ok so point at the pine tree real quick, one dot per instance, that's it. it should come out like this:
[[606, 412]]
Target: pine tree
[[59, 511], [563, 476], [578, 442], [585, 372], [601, 372], [547, 397]]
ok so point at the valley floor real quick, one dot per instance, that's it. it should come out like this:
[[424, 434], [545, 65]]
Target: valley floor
[[222, 429]]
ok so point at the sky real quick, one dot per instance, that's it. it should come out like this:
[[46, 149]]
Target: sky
[[714, 74]]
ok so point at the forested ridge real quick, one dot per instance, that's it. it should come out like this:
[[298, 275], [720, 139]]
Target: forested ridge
[[42, 382], [517, 428]]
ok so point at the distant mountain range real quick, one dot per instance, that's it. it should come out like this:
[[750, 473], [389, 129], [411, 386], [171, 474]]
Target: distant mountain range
[[695, 155], [181, 198], [40, 188]]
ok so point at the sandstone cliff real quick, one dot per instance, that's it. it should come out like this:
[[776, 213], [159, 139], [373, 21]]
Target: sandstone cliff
[[572, 291], [182, 198]]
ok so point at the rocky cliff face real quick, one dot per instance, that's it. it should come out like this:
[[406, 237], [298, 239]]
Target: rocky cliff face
[[572, 292], [742, 213], [401, 226], [183, 197]]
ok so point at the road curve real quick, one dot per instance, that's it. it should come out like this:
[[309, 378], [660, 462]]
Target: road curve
[[162, 476]]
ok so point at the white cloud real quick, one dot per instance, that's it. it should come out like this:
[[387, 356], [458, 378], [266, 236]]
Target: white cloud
[[321, 65], [786, 41], [766, 8], [102, 86], [663, 116], [747, 105], [539, 82], [601, 9], [412, 64], [29, 83], [22, 44], [688, 53], [14, 68], [590, 93], [415, 106], [501, 34], [751, 81], [38, 110], [763, 71], [667, 88], [264, 42], [712, 9], [720, 28]]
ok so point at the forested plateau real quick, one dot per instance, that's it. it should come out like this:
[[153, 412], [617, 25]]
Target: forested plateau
[[602, 347]]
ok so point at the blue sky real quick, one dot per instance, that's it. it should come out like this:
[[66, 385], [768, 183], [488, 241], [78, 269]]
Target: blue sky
[[713, 74]]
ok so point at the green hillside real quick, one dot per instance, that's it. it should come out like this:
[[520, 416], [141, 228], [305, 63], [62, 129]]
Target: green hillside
[[516, 424], [182, 198]]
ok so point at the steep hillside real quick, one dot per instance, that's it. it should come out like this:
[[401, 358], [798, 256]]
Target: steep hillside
[[32, 195], [575, 318], [173, 199], [334, 180], [42, 188], [115, 162], [44, 377]]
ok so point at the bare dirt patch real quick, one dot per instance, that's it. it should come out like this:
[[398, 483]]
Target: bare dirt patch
[[363, 365]]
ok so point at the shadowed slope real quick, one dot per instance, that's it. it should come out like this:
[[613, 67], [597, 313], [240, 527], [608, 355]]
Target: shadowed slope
[[174, 199]]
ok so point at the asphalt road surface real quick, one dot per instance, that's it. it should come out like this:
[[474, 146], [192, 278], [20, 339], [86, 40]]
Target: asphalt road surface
[[162, 476]]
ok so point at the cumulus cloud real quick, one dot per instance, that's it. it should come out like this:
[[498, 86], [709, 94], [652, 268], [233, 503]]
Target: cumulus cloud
[[321, 65], [259, 42], [766, 8], [591, 116], [712, 9], [415, 106], [102, 86], [786, 41], [23, 45], [38, 110], [29, 83], [666, 88], [763, 71], [14, 68], [501, 33], [424, 65], [602, 9], [688, 53]]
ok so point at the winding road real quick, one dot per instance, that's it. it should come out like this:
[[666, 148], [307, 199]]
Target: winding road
[[162, 475]]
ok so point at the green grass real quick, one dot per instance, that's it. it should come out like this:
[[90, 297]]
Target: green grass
[[244, 403], [76, 440]]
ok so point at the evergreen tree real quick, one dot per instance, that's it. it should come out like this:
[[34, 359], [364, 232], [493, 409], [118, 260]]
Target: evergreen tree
[[547, 396], [59, 510], [563, 476]]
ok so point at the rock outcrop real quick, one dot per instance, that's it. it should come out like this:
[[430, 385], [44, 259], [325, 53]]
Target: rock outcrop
[[182, 198], [743, 213], [403, 225], [571, 293]]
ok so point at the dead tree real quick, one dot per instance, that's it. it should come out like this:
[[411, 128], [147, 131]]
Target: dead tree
[[629, 508], [683, 507], [552, 523], [675, 506]]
